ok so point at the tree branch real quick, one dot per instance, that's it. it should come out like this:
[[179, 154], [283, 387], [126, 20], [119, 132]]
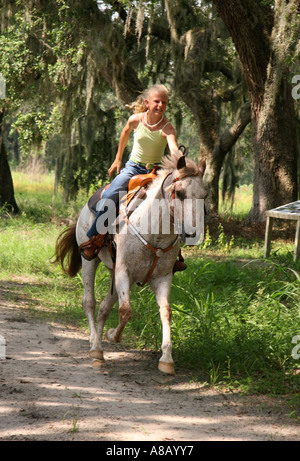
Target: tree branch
[[230, 136], [148, 27], [213, 66], [249, 23]]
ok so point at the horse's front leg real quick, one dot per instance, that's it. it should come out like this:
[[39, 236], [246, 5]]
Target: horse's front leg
[[103, 313], [161, 288], [122, 285]]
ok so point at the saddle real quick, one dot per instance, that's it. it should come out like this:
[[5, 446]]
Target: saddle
[[137, 187]]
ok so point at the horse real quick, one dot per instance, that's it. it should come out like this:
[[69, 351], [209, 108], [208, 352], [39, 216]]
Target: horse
[[142, 255]]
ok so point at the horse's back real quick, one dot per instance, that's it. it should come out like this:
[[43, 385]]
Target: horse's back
[[84, 223]]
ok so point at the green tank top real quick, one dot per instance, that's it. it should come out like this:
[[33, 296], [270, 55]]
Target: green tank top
[[148, 146]]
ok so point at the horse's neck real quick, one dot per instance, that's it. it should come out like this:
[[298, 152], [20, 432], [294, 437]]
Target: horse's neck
[[154, 213]]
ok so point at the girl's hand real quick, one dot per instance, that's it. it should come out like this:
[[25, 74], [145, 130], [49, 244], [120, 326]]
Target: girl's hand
[[115, 166]]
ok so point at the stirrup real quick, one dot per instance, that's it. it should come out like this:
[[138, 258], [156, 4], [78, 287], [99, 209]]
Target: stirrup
[[89, 250], [179, 266], [89, 258]]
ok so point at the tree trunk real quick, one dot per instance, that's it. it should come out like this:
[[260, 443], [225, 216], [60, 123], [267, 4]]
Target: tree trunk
[[225, 142], [214, 145], [274, 145], [263, 38], [7, 198]]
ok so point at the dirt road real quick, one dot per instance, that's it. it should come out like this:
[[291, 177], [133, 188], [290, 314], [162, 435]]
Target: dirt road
[[49, 391]]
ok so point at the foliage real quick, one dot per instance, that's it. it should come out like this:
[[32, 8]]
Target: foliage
[[70, 57], [61, 59], [46, 62], [238, 323]]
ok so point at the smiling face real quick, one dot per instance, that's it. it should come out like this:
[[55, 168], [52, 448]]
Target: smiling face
[[157, 103]]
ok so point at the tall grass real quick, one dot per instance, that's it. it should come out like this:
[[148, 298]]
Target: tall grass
[[234, 314], [237, 319]]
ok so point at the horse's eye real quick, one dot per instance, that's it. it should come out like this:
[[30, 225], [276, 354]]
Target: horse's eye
[[180, 194]]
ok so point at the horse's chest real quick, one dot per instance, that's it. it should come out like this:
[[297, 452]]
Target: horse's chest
[[137, 259]]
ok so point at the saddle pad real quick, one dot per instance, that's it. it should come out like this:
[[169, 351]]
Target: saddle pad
[[94, 199], [130, 201], [135, 184]]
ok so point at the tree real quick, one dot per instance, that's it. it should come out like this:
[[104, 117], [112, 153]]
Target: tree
[[265, 36], [207, 78], [7, 197], [20, 70], [54, 88], [76, 65], [76, 52]]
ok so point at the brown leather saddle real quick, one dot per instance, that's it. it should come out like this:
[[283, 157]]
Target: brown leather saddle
[[137, 187]]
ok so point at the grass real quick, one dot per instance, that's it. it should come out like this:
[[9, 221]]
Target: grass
[[242, 203], [234, 314], [239, 322]]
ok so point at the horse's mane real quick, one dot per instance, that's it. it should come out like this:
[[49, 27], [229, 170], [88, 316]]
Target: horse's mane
[[169, 164]]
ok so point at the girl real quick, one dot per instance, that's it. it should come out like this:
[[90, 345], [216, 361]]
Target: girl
[[152, 132]]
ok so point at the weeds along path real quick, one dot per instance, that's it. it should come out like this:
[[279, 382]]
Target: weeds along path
[[49, 391]]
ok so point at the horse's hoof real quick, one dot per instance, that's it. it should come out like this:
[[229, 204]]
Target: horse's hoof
[[96, 354], [97, 363], [110, 335], [166, 367]]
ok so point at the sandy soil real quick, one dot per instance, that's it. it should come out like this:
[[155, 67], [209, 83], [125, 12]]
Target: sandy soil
[[50, 391]]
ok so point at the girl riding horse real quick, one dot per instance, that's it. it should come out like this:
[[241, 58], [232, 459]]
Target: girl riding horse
[[152, 133]]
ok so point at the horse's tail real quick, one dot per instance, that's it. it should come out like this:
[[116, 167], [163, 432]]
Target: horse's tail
[[66, 247]]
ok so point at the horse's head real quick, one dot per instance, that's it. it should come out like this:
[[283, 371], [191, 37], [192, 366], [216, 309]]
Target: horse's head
[[187, 194], [188, 179]]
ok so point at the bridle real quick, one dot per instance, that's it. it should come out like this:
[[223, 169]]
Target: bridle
[[158, 252], [173, 192]]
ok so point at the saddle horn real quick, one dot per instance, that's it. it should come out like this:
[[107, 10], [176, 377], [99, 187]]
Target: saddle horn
[[183, 148]]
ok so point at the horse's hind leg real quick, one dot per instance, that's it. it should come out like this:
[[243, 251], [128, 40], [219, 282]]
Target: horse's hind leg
[[161, 288], [89, 302], [104, 311]]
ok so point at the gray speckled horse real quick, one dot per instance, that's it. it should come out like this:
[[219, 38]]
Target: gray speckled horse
[[142, 256]]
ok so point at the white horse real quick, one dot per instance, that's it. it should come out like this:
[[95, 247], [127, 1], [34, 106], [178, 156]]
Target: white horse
[[142, 256]]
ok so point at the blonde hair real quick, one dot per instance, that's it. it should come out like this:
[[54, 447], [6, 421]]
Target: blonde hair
[[139, 104]]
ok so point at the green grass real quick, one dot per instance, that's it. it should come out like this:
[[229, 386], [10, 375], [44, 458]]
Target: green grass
[[242, 203], [241, 321], [234, 314]]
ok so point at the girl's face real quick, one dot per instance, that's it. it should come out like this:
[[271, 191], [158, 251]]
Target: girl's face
[[157, 103]]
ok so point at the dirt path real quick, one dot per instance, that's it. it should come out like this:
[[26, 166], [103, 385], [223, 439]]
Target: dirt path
[[49, 391]]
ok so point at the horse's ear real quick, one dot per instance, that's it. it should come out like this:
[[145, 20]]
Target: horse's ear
[[202, 166], [181, 162]]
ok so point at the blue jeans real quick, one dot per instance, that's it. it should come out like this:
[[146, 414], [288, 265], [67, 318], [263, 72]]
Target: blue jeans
[[117, 188]]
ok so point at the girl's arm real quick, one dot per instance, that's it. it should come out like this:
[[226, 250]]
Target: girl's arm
[[170, 133], [129, 127]]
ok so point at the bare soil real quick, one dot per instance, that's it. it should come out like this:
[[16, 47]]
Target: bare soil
[[50, 391]]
